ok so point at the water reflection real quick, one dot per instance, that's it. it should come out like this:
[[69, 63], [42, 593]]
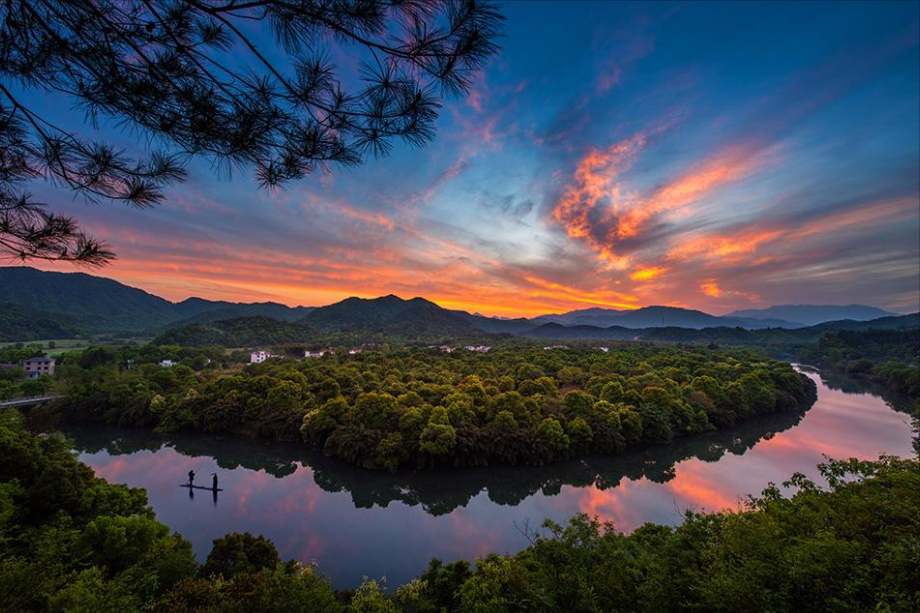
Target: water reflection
[[355, 522]]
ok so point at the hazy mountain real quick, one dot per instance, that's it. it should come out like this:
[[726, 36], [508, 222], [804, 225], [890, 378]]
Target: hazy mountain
[[655, 317], [498, 325], [811, 314], [720, 334], [595, 314]]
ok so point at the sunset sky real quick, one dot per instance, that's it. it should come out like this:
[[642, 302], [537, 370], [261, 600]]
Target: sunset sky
[[713, 156]]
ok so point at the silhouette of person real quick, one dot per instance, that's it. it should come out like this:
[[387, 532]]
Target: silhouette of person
[[191, 478], [214, 481]]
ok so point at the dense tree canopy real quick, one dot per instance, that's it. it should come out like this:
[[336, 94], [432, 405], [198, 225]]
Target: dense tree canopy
[[424, 408], [173, 71]]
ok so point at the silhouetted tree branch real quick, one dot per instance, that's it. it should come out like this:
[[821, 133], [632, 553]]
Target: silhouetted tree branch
[[172, 70]]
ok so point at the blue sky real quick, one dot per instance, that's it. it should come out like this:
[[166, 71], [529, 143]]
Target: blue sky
[[713, 155]]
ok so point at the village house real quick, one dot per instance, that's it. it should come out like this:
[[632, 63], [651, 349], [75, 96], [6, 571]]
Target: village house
[[478, 348], [446, 348], [257, 357], [355, 351], [167, 363], [36, 367], [317, 353]]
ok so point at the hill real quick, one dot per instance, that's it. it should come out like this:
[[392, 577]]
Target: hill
[[415, 319], [205, 311], [812, 314], [19, 323], [99, 305], [239, 332]]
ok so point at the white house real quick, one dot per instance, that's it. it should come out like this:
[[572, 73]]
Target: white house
[[167, 363], [316, 354], [446, 348], [355, 351], [478, 348], [257, 357]]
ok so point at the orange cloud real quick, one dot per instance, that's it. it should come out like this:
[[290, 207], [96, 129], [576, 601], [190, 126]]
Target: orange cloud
[[647, 274], [710, 287], [595, 178], [745, 243], [599, 208]]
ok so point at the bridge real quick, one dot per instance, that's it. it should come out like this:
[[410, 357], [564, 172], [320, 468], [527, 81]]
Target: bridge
[[26, 402]]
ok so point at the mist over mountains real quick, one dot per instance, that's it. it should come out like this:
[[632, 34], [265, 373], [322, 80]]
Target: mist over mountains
[[34, 304]]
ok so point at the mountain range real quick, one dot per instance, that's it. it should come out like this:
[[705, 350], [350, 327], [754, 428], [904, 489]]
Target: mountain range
[[38, 304]]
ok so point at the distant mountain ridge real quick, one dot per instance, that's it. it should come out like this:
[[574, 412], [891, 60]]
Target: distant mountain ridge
[[78, 303], [654, 317], [95, 305], [814, 314]]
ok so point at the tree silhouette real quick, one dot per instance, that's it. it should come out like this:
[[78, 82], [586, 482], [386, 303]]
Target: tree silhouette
[[173, 71]]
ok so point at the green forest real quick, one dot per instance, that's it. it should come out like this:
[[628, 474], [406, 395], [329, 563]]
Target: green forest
[[71, 542], [424, 408], [889, 358]]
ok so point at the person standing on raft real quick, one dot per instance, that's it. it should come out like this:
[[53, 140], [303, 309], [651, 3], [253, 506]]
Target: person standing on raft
[[191, 478], [214, 481]]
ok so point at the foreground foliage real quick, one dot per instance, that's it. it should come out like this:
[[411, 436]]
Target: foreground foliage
[[72, 542], [423, 408]]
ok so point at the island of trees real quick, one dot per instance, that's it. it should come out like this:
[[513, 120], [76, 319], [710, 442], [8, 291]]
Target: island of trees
[[423, 408], [72, 542]]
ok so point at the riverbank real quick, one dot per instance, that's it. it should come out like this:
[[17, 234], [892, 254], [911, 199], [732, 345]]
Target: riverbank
[[354, 522]]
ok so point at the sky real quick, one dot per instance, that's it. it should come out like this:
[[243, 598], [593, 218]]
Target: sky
[[710, 156]]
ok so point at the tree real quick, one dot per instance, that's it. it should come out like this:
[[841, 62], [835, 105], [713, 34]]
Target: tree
[[240, 553], [555, 437], [438, 437], [169, 69]]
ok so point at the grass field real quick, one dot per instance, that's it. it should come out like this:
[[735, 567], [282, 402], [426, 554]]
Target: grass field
[[61, 345]]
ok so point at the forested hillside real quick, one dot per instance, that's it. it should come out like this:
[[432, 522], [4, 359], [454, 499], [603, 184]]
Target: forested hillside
[[239, 332], [20, 323]]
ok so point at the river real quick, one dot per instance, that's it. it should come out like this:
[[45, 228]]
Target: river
[[352, 522]]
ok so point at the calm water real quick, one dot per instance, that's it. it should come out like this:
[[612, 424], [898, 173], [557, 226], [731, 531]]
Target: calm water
[[353, 522]]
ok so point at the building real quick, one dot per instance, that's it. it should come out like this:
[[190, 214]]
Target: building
[[257, 357], [605, 349], [36, 367], [355, 351], [316, 354], [167, 363], [446, 348], [478, 348]]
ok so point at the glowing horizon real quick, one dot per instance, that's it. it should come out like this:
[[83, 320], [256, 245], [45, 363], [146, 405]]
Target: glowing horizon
[[642, 154]]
